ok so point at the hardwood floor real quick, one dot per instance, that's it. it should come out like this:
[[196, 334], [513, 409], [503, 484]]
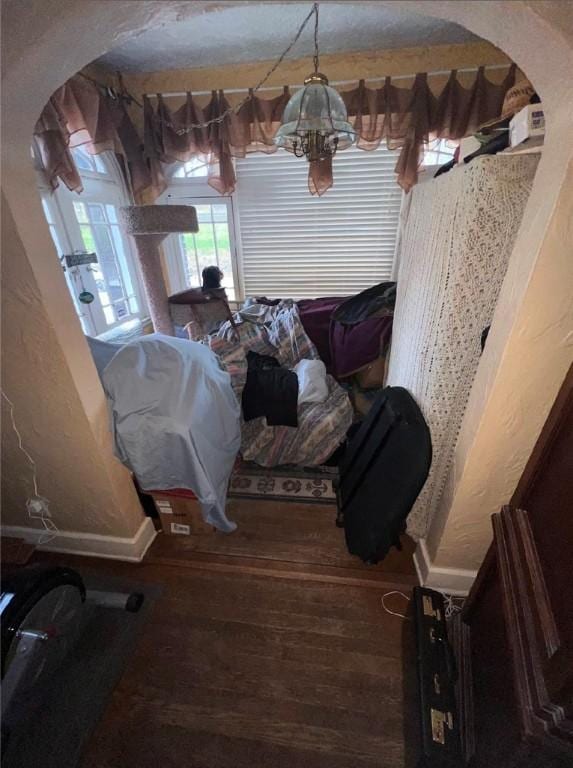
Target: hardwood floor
[[283, 538], [253, 658]]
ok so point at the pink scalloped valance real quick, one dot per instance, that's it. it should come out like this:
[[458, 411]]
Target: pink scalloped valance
[[82, 114], [405, 118]]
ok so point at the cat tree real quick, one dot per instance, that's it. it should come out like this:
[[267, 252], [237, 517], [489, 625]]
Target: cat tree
[[149, 225]]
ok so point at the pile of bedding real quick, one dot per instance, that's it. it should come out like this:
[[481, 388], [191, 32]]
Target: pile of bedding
[[351, 333], [278, 332]]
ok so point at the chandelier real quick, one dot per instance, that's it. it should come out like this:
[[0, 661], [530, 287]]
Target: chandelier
[[315, 122]]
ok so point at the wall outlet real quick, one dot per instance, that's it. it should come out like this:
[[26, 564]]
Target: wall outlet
[[38, 508]]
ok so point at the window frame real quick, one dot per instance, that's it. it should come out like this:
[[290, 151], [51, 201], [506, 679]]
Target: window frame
[[196, 191], [49, 202]]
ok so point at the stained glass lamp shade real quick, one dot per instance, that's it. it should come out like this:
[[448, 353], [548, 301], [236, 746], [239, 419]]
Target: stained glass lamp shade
[[315, 121]]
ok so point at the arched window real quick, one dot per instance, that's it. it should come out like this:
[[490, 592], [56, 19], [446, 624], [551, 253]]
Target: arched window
[[438, 152], [215, 243]]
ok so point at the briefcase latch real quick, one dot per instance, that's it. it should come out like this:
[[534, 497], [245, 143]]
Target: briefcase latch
[[429, 610], [440, 720]]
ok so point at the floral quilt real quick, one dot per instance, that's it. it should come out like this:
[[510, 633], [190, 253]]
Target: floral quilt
[[321, 427]]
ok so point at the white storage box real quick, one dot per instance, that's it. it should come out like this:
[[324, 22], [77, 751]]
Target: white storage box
[[527, 124]]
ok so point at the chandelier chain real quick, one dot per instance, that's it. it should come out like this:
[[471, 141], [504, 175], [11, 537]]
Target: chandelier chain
[[315, 57], [233, 110]]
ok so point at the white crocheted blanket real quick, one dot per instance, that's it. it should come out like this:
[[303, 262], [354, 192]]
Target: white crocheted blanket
[[457, 234]]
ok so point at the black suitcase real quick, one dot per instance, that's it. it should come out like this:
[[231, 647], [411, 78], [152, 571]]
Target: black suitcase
[[383, 469], [441, 744]]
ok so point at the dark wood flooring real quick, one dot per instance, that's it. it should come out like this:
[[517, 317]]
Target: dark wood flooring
[[286, 539], [268, 648]]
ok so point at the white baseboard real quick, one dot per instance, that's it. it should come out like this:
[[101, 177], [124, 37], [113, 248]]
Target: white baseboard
[[89, 544], [454, 581]]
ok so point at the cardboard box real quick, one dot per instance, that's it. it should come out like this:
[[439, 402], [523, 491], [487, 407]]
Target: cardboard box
[[527, 124], [180, 513]]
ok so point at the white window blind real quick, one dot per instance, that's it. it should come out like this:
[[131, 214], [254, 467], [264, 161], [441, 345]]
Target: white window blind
[[299, 246]]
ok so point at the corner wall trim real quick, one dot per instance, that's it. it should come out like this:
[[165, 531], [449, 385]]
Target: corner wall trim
[[90, 544], [454, 581]]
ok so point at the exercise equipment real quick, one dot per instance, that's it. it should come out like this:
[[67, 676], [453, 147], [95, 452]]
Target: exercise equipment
[[40, 614]]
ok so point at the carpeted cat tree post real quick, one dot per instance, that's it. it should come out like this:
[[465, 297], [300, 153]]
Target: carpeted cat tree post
[[149, 225]]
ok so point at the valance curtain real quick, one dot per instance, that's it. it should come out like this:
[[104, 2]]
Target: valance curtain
[[405, 118], [168, 139], [82, 114]]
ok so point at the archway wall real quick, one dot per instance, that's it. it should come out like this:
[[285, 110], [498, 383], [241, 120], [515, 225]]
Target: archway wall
[[530, 346], [84, 489], [44, 44], [517, 382], [47, 369]]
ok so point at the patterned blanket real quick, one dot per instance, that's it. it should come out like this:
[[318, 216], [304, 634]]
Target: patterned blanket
[[321, 426]]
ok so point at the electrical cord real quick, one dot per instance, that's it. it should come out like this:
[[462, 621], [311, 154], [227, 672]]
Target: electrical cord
[[394, 613], [451, 606], [37, 506]]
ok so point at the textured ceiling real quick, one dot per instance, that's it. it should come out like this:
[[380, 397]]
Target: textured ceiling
[[259, 31]]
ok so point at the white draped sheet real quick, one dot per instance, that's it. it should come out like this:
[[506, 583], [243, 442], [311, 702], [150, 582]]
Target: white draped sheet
[[175, 419]]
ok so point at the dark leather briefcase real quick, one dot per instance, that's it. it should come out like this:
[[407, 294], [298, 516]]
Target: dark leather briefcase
[[441, 746]]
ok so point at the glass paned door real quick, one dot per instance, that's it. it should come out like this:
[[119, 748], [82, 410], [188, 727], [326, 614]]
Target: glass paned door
[[114, 284], [72, 275], [89, 223]]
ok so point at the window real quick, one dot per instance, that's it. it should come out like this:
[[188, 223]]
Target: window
[[196, 168], [90, 163], [438, 152], [210, 245], [88, 223], [272, 237], [214, 244], [56, 227], [300, 246]]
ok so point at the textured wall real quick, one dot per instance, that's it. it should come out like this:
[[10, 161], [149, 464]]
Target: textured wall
[[88, 490], [235, 34], [530, 345], [509, 404]]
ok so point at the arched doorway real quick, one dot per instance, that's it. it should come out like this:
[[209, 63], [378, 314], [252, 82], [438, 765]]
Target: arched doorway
[[527, 354]]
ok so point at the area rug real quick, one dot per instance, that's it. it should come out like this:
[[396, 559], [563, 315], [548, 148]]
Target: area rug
[[70, 706], [288, 483]]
